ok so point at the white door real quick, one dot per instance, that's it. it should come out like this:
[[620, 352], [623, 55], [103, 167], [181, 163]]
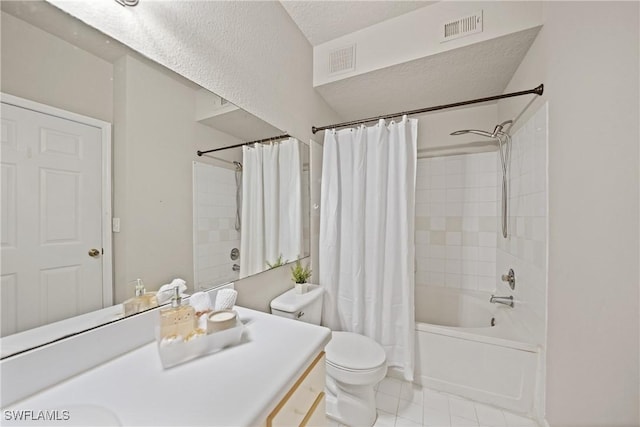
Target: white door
[[51, 219]]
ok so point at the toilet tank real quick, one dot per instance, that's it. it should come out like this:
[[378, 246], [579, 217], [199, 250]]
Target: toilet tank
[[306, 307]]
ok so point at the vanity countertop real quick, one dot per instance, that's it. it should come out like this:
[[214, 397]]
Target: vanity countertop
[[237, 386]]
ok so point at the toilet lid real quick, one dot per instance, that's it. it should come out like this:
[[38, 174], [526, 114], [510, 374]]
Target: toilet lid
[[354, 351]]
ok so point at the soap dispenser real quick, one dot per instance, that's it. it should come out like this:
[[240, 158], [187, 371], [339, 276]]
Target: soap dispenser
[[177, 320], [142, 301]]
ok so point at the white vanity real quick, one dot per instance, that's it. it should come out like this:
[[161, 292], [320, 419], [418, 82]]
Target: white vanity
[[275, 376]]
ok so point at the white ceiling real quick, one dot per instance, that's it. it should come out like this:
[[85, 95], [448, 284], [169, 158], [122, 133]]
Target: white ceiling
[[321, 21], [476, 71]]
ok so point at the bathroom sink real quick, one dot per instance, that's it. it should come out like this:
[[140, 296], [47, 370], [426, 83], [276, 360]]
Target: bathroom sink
[[67, 415]]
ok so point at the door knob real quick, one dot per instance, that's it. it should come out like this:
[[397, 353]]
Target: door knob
[[94, 253]]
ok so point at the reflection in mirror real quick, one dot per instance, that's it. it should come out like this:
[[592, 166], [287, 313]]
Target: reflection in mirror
[[251, 213], [98, 152]]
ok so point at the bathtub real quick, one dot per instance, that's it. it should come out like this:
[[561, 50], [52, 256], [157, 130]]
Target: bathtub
[[459, 351]]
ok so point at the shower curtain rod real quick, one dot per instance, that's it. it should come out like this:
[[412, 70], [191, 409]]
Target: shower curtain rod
[[272, 139], [538, 91], [220, 159]]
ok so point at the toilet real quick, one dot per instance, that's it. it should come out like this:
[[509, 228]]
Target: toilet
[[354, 363]]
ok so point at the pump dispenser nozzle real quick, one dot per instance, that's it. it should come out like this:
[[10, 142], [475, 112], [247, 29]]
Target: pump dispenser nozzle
[[176, 300], [139, 287]]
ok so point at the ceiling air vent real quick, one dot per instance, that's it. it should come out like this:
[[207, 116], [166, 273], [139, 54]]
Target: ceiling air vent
[[342, 60], [461, 27]]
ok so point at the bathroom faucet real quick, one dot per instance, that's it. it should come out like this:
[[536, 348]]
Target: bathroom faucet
[[499, 300]]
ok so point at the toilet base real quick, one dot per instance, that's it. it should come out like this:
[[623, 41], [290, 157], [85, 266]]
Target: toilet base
[[354, 406]]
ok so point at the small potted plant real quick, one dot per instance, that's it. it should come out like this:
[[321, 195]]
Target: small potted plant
[[300, 275]]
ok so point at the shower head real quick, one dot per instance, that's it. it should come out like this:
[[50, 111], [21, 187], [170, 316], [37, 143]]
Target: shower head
[[238, 165], [504, 148], [472, 131], [497, 131]]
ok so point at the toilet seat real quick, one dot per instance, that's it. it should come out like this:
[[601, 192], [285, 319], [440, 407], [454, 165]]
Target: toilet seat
[[342, 368], [354, 352]]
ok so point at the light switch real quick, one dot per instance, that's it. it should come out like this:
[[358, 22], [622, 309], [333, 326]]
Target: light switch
[[116, 225]]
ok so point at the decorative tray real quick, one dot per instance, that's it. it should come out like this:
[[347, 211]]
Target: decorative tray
[[177, 352]]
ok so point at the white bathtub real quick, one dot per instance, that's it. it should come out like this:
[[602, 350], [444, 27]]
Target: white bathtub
[[458, 351]]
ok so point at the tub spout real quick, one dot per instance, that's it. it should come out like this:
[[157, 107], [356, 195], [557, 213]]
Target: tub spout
[[502, 300]]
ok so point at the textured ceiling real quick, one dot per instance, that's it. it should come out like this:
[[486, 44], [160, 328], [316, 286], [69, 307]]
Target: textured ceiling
[[321, 21], [475, 71]]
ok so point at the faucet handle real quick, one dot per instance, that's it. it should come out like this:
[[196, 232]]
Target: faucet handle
[[502, 300], [510, 278]]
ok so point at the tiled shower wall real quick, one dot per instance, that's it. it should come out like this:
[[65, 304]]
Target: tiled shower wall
[[215, 218], [526, 248], [456, 221]]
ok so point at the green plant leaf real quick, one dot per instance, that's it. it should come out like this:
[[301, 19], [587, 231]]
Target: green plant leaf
[[300, 274], [277, 263]]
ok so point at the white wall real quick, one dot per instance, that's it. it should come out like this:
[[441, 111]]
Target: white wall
[[587, 54], [43, 68]]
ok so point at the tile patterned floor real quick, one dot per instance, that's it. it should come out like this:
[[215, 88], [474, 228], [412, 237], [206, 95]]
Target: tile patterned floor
[[402, 404]]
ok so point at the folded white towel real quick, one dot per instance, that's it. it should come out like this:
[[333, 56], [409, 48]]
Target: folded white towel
[[202, 321], [226, 299], [201, 302], [166, 292]]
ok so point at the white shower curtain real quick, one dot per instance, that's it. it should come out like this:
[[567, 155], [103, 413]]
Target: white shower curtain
[[271, 205], [367, 235]]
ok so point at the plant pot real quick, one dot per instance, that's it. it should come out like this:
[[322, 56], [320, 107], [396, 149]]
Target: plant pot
[[301, 288]]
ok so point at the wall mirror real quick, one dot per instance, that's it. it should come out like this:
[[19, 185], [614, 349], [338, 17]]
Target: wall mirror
[[101, 184]]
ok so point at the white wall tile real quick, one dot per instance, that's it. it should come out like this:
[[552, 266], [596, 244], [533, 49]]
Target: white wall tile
[[438, 182], [470, 282], [487, 239], [454, 252], [455, 209], [454, 238], [453, 280], [470, 253], [456, 199], [470, 223], [455, 181], [437, 251], [436, 265], [215, 204]]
